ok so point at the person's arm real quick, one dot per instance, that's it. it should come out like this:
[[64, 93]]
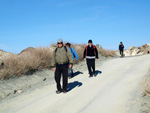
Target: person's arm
[[69, 54], [96, 53], [75, 53], [84, 53], [53, 62]]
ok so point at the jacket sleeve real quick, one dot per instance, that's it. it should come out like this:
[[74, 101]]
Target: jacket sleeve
[[75, 53], [53, 62], [96, 52], [84, 53], [69, 56]]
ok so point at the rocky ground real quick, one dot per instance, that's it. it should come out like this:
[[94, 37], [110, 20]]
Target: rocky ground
[[133, 51]]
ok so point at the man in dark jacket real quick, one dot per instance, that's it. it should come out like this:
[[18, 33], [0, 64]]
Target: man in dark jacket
[[60, 60], [90, 54], [121, 48]]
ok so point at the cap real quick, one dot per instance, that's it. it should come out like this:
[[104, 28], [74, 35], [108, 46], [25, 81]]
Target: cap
[[59, 40], [90, 41], [68, 44]]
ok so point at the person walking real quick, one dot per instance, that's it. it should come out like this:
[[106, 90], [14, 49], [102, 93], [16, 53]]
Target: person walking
[[74, 55], [90, 54], [60, 59], [121, 48]]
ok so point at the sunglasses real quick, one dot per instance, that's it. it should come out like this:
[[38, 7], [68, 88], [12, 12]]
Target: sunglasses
[[60, 43]]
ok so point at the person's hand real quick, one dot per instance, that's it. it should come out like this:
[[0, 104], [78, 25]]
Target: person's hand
[[84, 58], [53, 69], [70, 66]]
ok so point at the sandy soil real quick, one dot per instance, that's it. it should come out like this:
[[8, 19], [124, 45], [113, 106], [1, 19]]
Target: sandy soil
[[116, 89]]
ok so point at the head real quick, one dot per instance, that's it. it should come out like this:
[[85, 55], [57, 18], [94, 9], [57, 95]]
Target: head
[[90, 43], [60, 43], [68, 44], [120, 43]]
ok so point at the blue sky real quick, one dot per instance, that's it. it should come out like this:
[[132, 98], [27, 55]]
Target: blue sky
[[38, 23]]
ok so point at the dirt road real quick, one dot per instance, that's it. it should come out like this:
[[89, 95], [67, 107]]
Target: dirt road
[[116, 89]]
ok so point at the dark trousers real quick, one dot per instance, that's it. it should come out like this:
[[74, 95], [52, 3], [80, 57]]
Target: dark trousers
[[121, 53], [61, 70], [91, 64]]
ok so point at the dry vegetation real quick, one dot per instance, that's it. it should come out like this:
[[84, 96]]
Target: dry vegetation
[[32, 59], [106, 53], [26, 63]]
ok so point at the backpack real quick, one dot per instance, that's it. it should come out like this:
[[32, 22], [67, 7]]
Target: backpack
[[64, 48], [93, 47]]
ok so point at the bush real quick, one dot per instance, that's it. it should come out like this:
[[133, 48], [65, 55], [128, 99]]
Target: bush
[[27, 63], [106, 53]]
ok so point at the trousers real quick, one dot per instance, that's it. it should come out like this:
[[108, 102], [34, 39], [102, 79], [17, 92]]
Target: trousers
[[91, 65], [61, 70], [121, 53]]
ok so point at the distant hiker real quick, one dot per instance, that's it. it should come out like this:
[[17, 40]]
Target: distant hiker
[[121, 48], [74, 55], [60, 60], [90, 53]]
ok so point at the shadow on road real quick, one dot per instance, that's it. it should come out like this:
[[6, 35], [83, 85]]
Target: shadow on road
[[74, 84], [77, 73], [98, 72]]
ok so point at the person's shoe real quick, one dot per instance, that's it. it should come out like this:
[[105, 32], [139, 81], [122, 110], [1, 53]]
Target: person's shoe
[[95, 74], [90, 76], [58, 92], [64, 91]]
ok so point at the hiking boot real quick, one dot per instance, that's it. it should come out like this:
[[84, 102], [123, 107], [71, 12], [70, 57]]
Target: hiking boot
[[58, 92]]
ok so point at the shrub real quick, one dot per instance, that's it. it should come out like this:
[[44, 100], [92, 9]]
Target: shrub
[[27, 63], [106, 53]]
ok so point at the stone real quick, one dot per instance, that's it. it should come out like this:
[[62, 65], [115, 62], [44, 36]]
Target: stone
[[131, 48]]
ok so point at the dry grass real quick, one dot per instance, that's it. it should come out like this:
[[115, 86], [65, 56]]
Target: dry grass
[[20, 64], [32, 59], [106, 53]]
